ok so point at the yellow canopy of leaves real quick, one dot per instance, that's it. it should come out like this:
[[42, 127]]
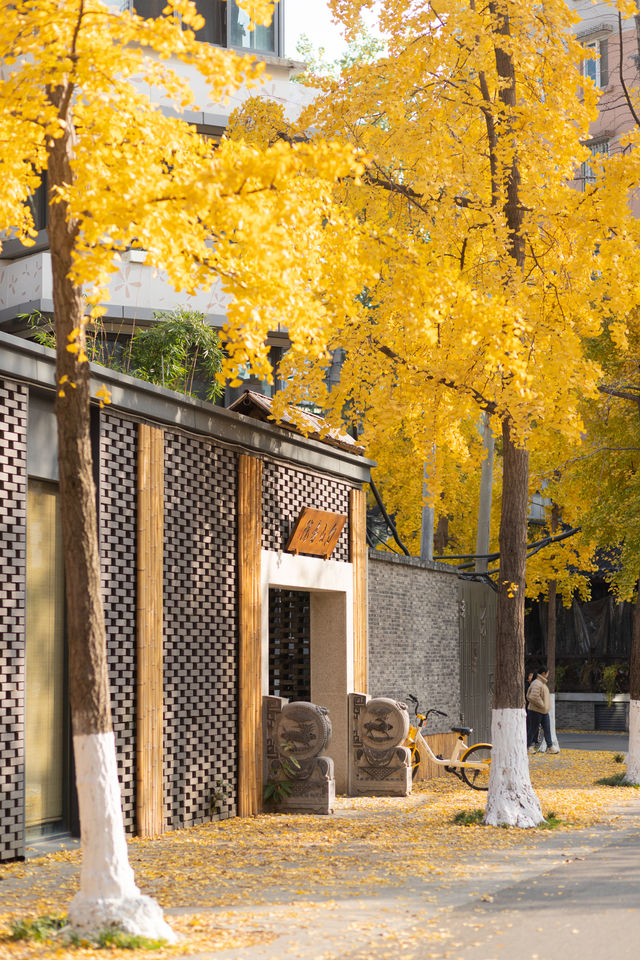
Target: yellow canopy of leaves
[[262, 221], [453, 325]]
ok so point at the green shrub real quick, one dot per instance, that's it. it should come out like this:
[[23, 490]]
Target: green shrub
[[617, 780], [551, 821], [110, 939], [467, 818], [38, 928]]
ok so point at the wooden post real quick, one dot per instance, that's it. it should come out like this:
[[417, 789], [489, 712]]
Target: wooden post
[[149, 761], [358, 551], [250, 626]]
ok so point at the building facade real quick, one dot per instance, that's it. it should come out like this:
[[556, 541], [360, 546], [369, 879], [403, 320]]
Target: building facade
[[206, 608], [137, 292], [612, 43]]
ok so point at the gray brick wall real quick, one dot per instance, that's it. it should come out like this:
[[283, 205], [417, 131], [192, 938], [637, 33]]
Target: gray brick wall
[[413, 634], [574, 715]]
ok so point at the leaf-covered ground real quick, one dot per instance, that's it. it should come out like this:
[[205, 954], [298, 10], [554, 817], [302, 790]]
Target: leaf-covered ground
[[379, 872]]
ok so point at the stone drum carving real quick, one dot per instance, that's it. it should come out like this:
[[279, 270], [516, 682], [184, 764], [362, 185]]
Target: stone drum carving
[[379, 764], [301, 732]]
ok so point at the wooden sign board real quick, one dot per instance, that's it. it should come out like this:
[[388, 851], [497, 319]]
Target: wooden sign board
[[316, 532]]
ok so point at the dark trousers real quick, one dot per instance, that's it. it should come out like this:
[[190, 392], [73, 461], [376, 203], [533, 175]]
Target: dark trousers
[[535, 719]]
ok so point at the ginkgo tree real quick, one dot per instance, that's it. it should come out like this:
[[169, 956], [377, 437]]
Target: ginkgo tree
[[493, 270], [602, 480], [84, 92]]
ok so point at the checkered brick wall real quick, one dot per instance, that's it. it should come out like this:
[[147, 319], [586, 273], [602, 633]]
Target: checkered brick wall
[[285, 491], [13, 552], [200, 629], [118, 465]]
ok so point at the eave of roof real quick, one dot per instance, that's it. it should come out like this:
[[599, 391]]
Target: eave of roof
[[259, 406]]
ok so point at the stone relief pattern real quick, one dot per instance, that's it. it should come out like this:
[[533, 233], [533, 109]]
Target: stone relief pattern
[[118, 470], [285, 491], [13, 551], [200, 630]]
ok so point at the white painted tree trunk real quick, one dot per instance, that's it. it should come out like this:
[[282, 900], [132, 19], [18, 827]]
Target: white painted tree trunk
[[633, 758], [108, 896], [511, 800], [552, 723]]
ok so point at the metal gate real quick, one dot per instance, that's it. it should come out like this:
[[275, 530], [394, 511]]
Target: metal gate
[[613, 717], [477, 609], [290, 644]]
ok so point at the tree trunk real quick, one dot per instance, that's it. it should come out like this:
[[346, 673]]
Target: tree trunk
[[483, 534], [511, 799], [551, 644], [108, 895], [427, 519], [551, 660], [633, 758]]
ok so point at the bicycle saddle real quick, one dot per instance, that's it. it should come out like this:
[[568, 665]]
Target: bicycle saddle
[[465, 731]]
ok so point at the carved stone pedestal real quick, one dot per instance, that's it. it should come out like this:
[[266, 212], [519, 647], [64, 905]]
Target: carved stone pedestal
[[296, 734], [378, 763]]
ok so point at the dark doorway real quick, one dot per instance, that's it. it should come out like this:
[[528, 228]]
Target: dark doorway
[[290, 644]]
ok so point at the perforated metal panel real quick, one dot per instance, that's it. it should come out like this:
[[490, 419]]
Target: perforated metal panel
[[290, 644], [200, 629], [285, 491], [13, 551], [117, 497]]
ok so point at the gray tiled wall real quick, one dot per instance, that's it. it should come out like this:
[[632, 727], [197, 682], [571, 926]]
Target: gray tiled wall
[[414, 635]]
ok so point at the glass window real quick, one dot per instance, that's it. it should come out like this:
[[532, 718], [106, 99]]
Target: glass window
[[149, 9], [225, 23], [587, 172], [260, 38], [38, 204], [596, 64], [215, 22]]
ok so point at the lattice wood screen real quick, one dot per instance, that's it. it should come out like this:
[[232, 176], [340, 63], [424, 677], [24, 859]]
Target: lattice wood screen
[[289, 644]]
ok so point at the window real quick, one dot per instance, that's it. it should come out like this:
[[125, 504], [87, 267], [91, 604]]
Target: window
[[226, 24], [39, 206], [260, 38], [599, 148], [596, 64]]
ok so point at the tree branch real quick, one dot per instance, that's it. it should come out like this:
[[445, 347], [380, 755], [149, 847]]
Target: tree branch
[[489, 405], [625, 90]]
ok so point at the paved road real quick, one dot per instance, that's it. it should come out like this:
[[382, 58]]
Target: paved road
[[594, 740], [585, 909]]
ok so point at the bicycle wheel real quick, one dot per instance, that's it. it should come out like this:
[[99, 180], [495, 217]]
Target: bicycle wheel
[[478, 753], [415, 762]]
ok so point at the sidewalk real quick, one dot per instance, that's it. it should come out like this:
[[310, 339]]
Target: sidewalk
[[382, 878]]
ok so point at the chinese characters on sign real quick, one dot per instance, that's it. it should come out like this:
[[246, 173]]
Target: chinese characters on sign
[[316, 532]]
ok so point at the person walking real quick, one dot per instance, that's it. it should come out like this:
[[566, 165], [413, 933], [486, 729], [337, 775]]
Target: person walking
[[539, 702]]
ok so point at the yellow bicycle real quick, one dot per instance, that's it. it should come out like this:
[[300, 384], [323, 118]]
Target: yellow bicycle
[[471, 764]]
